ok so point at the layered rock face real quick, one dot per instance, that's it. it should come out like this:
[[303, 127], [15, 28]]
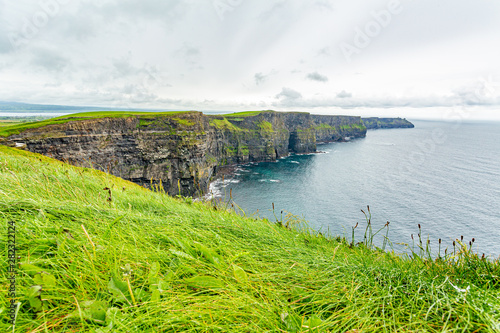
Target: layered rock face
[[183, 151]]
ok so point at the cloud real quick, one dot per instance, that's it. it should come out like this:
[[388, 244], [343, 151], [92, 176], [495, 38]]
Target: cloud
[[326, 52], [324, 4], [483, 94], [5, 45], [317, 77], [289, 94], [289, 97], [278, 9], [259, 78], [100, 52], [81, 26], [485, 91], [161, 10], [191, 56], [50, 60], [344, 94]]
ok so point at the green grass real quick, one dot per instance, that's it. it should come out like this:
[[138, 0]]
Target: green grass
[[245, 114], [253, 113], [184, 122], [111, 256], [265, 126], [18, 128], [324, 126], [225, 124], [352, 126], [4, 123]]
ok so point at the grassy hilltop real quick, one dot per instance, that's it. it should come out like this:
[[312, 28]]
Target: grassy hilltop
[[100, 254]]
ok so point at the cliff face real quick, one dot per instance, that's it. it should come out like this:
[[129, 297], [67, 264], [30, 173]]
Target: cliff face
[[184, 150], [376, 123]]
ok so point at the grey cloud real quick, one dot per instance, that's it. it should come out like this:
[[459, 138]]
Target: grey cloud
[[288, 96], [5, 45], [344, 94], [259, 78], [80, 27], [145, 78], [324, 4], [317, 77], [190, 51], [326, 51], [123, 68], [485, 91], [276, 9], [50, 60], [146, 9], [191, 55]]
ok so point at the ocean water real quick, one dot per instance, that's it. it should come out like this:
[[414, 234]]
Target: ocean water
[[444, 176]]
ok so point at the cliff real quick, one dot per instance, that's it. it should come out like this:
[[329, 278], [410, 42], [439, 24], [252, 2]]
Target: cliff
[[182, 151], [376, 123]]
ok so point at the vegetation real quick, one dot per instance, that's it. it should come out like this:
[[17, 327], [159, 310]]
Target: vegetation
[[244, 114], [225, 124], [100, 254], [16, 120], [265, 126], [184, 122], [243, 150], [18, 128], [323, 126], [8, 122], [230, 151], [352, 126], [252, 113]]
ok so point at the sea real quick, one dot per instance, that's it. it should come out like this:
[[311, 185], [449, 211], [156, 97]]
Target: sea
[[443, 176]]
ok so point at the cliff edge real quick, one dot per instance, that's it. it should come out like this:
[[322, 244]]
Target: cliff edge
[[182, 151]]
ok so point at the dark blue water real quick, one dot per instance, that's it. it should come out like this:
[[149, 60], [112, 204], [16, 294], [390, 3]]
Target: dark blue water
[[444, 176]]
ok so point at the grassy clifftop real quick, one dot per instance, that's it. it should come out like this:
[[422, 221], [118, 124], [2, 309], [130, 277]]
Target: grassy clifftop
[[100, 254], [7, 129], [18, 128]]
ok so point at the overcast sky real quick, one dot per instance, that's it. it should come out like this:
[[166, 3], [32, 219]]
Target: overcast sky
[[371, 57]]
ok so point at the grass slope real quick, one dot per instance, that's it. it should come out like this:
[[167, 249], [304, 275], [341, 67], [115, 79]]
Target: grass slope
[[100, 254]]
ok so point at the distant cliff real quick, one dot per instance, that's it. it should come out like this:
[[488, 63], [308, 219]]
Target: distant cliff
[[376, 123], [183, 151]]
